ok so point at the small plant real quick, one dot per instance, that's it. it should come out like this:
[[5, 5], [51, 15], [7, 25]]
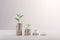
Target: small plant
[[18, 18], [28, 25], [35, 30]]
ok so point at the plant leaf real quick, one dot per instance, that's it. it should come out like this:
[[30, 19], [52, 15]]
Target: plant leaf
[[21, 16], [17, 19], [28, 25]]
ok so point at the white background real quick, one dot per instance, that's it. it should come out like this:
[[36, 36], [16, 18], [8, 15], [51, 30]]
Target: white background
[[41, 14]]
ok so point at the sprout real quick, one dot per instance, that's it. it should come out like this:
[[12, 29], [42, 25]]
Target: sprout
[[28, 25], [18, 18], [35, 30]]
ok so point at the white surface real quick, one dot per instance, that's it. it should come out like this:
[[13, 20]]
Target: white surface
[[11, 35]]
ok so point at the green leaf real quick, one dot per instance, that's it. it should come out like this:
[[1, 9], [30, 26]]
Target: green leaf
[[17, 19], [28, 25], [21, 16]]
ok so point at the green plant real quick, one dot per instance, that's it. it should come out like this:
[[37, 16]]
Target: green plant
[[35, 30], [28, 25], [18, 18]]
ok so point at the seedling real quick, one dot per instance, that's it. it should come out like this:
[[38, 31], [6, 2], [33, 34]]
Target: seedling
[[18, 18], [35, 30], [28, 25]]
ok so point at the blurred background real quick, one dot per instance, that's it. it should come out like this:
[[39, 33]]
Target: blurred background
[[41, 14]]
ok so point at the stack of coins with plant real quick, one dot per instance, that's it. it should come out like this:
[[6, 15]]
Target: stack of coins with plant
[[19, 24], [27, 30]]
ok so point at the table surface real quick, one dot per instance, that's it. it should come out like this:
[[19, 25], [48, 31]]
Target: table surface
[[11, 35]]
